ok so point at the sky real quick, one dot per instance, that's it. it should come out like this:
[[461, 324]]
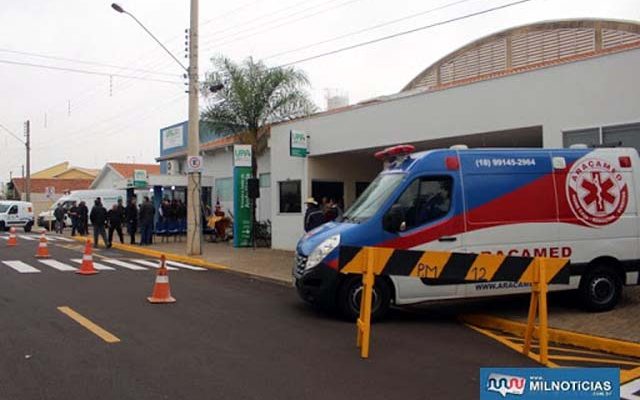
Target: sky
[[91, 119]]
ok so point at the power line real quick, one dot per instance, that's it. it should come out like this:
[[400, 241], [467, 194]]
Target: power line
[[233, 38], [84, 71], [77, 61], [395, 35], [10, 132], [367, 29]]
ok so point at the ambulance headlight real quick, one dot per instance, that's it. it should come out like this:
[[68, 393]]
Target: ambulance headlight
[[323, 250]]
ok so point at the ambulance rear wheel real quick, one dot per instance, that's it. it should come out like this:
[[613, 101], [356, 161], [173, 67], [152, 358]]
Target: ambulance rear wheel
[[350, 293], [600, 289]]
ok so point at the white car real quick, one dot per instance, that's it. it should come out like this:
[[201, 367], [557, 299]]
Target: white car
[[16, 214]]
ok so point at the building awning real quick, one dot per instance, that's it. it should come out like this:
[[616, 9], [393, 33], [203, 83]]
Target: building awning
[[164, 181]]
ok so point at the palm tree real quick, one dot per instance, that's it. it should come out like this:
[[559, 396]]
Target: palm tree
[[252, 97]]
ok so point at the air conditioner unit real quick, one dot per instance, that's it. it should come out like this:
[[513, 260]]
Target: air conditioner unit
[[173, 167]]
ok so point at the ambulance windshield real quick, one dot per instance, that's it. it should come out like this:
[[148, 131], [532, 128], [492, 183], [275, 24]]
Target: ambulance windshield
[[372, 199]]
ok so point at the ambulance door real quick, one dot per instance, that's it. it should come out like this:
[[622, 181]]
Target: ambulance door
[[12, 216], [431, 206]]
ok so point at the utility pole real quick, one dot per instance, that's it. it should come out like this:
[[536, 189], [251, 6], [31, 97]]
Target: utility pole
[[27, 133], [194, 219]]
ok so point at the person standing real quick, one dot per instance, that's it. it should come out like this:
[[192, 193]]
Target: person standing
[[131, 216], [114, 218], [147, 213], [313, 217], [83, 218], [98, 219], [73, 214], [59, 216]]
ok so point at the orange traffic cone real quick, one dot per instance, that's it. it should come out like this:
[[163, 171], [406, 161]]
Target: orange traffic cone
[[87, 261], [13, 239], [161, 291], [43, 250]]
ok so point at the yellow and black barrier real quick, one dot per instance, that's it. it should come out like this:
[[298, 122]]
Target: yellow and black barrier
[[448, 267]]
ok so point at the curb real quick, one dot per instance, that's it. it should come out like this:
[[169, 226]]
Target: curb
[[190, 260], [156, 253], [607, 345]]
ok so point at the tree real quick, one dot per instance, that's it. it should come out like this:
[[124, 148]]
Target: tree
[[254, 96]]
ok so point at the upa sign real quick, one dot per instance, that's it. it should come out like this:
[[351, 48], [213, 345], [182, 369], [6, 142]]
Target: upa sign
[[298, 144], [140, 178], [242, 155]]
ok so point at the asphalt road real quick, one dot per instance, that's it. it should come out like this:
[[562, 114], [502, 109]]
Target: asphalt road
[[227, 337]]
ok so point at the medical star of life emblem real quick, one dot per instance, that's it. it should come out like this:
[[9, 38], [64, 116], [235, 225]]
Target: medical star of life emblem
[[597, 192]]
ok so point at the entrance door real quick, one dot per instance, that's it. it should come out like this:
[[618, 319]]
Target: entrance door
[[328, 190]]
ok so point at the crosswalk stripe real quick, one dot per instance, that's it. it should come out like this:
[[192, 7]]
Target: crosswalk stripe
[[58, 265], [25, 237], [152, 264], [96, 265], [124, 264], [21, 267], [63, 239], [187, 266]]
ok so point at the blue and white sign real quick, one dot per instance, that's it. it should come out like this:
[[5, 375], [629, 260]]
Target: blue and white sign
[[549, 383]]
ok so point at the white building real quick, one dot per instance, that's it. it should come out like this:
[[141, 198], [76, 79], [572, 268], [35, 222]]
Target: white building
[[549, 84]]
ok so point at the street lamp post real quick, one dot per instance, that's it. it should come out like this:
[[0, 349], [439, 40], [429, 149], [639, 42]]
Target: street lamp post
[[194, 229]]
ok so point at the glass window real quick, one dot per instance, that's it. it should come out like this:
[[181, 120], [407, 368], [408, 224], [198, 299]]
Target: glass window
[[4, 208], [290, 198], [373, 197], [13, 210], [224, 189], [425, 200], [265, 180], [622, 136], [590, 137]]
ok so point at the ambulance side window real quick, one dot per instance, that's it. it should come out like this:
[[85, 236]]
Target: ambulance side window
[[13, 210], [424, 200]]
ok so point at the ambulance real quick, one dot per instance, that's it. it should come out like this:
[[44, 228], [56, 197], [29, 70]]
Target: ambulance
[[578, 203]]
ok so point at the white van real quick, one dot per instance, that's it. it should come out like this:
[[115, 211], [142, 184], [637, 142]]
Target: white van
[[16, 214], [109, 197], [578, 203]]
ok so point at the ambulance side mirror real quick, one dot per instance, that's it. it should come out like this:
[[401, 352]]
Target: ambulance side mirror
[[393, 220]]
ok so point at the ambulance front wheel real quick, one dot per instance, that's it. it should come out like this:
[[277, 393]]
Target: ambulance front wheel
[[600, 289], [350, 293]]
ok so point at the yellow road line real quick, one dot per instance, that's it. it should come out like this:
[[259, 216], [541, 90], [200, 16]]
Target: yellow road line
[[511, 345], [563, 349], [594, 359], [627, 376], [95, 329]]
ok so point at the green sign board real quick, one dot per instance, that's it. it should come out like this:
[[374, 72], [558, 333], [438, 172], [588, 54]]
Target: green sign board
[[241, 207], [140, 179], [298, 145]]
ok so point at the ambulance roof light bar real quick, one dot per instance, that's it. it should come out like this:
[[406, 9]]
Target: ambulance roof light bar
[[395, 151]]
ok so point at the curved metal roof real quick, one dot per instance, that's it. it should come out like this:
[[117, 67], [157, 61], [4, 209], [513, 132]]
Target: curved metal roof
[[528, 47]]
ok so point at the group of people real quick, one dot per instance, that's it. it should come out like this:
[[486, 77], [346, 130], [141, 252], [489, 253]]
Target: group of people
[[318, 214], [112, 220]]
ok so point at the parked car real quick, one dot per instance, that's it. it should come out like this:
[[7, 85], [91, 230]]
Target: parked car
[[17, 214]]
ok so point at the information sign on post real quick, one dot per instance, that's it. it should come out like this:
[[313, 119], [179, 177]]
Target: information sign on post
[[194, 164], [140, 178], [241, 201], [298, 144], [49, 192]]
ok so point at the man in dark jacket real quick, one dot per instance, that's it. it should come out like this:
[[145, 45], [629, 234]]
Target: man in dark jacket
[[146, 221], [114, 218], [73, 214], [59, 216], [83, 218], [313, 217], [131, 216], [98, 218]]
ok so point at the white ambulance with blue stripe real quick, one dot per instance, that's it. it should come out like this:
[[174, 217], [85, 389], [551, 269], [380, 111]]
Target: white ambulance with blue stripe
[[577, 203]]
